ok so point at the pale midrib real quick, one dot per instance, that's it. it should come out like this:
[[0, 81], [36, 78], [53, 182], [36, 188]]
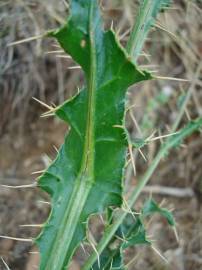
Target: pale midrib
[[84, 181]]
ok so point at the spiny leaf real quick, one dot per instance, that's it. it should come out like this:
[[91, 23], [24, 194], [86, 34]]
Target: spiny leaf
[[86, 176], [111, 258], [191, 127], [151, 207], [133, 233], [136, 235], [130, 233]]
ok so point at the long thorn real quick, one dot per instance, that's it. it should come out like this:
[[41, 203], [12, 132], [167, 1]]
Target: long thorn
[[161, 137], [135, 122], [32, 225], [26, 40], [101, 218], [44, 202], [38, 172], [132, 261], [112, 26], [142, 154], [16, 238], [98, 256], [43, 103], [132, 158], [176, 234], [128, 208], [74, 67], [125, 34], [56, 149], [153, 71], [56, 45], [159, 253], [64, 56], [21, 186], [47, 115], [82, 246], [171, 79], [118, 126], [159, 26], [151, 136], [53, 52], [65, 4]]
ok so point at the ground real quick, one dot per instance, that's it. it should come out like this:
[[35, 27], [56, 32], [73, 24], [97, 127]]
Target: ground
[[28, 142]]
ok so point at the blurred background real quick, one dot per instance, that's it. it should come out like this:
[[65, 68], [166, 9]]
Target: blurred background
[[28, 142]]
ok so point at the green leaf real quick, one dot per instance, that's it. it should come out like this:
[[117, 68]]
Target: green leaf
[[133, 233], [130, 233], [151, 207], [169, 144], [86, 176], [136, 235], [111, 258]]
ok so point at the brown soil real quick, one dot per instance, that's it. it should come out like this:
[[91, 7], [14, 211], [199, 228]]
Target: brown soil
[[27, 141]]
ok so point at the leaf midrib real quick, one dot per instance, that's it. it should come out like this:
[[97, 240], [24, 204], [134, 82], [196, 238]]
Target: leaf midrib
[[85, 179]]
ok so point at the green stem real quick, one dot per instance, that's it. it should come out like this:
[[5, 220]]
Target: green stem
[[111, 230], [147, 14], [187, 98], [138, 34]]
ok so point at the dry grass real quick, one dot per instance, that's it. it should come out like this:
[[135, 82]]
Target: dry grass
[[27, 71]]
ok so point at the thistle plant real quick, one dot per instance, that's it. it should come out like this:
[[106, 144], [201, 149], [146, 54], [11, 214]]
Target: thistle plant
[[87, 176]]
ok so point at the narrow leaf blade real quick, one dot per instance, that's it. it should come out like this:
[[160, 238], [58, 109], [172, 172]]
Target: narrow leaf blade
[[86, 176]]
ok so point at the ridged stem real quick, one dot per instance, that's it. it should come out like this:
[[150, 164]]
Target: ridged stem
[[111, 230]]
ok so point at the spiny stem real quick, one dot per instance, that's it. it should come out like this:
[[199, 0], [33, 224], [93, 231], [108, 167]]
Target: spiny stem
[[147, 14], [111, 230], [189, 93], [136, 40]]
